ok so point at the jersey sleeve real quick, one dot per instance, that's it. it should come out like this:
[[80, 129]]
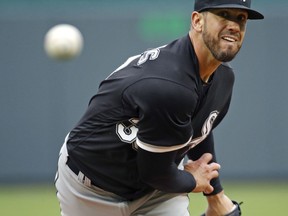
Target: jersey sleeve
[[164, 110], [161, 172]]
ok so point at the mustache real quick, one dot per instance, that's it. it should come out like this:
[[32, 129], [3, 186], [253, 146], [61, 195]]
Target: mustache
[[235, 35]]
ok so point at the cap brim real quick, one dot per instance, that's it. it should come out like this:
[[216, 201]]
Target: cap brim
[[252, 14]]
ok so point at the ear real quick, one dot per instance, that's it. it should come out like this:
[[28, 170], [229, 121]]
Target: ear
[[197, 21]]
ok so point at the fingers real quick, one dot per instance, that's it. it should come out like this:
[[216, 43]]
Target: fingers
[[213, 170], [208, 190], [203, 171], [214, 174], [215, 166], [206, 158]]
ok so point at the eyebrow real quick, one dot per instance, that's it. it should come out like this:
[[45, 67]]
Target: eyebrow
[[228, 10], [241, 11]]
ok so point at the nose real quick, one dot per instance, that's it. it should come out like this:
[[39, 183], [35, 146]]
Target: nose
[[233, 26]]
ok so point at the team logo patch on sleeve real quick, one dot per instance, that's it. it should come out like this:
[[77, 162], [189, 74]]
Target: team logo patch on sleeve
[[206, 129], [127, 131]]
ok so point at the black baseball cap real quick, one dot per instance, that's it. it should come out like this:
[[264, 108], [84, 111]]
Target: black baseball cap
[[203, 5]]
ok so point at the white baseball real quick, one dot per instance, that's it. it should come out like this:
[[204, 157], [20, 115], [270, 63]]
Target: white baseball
[[63, 42]]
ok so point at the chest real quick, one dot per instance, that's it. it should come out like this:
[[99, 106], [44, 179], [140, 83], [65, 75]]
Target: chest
[[212, 105]]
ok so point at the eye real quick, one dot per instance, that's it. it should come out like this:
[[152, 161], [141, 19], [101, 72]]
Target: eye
[[241, 18], [224, 14]]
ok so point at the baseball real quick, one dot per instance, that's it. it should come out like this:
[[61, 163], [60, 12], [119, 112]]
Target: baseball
[[63, 42]]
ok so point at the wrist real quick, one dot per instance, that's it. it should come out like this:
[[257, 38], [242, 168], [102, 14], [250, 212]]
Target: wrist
[[219, 204], [219, 197], [216, 185]]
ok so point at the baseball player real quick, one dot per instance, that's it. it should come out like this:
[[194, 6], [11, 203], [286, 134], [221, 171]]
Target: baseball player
[[125, 155]]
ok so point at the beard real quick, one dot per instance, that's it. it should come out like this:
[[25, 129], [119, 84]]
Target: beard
[[220, 54]]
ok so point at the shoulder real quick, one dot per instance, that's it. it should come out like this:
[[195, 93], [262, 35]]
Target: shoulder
[[177, 53], [158, 94], [159, 89]]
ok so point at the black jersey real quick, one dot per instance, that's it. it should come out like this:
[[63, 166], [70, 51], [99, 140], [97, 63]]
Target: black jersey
[[155, 101]]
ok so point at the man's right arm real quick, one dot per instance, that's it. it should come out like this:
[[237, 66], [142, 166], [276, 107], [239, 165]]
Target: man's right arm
[[160, 171]]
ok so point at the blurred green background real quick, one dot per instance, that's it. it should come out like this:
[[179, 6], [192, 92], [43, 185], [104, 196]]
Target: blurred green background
[[259, 199]]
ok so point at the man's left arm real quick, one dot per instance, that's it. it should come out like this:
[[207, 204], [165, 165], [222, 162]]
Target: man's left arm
[[206, 146], [218, 202]]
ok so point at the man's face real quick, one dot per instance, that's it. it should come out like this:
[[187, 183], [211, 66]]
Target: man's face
[[224, 31]]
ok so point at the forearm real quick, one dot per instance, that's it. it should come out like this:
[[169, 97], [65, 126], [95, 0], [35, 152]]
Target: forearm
[[215, 199], [177, 181], [160, 172], [219, 204]]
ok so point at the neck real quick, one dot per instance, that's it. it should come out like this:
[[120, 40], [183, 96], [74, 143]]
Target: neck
[[207, 63]]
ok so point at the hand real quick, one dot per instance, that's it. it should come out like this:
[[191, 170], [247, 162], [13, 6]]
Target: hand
[[203, 172], [218, 205]]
